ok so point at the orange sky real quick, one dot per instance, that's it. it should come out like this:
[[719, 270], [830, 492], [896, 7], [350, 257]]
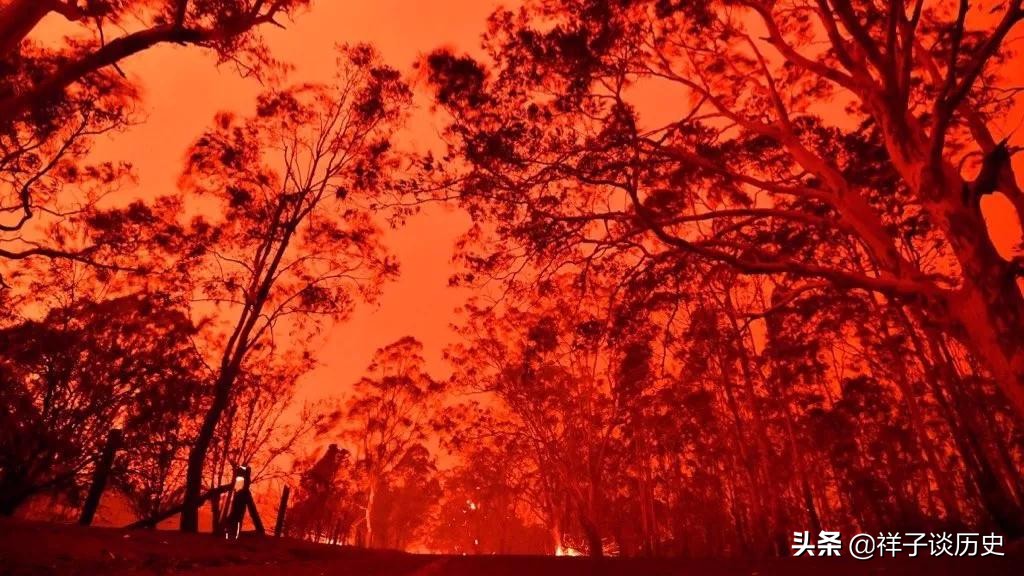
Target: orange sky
[[183, 90]]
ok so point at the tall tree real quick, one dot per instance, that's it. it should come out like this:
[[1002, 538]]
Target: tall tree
[[327, 502], [387, 420], [290, 243]]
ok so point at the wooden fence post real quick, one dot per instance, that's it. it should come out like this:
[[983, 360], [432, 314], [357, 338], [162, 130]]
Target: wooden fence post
[[242, 502], [100, 475], [281, 510]]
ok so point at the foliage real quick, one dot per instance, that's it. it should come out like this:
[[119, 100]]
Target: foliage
[[83, 368]]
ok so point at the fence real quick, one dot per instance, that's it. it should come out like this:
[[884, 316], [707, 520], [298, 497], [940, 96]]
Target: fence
[[239, 502]]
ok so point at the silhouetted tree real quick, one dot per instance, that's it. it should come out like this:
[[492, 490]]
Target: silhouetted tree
[[289, 244], [403, 507], [387, 419], [327, 503], [70, 376]]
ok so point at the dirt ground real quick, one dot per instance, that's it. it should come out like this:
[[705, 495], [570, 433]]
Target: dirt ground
[[28, 548]]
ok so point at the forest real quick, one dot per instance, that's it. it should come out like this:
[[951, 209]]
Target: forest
[[734, 269]]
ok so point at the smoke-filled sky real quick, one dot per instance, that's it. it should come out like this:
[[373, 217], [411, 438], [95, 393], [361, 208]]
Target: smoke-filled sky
[[183, 90]]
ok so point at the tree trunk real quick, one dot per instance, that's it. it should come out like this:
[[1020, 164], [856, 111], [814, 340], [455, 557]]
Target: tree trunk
[[235, 351], [765, 499], [371, 497], [593, 536], [760, 523], [1002, 451], [994, 487], [645, 490], [991, 311], [988, 307], [998, 503], [101, 475], [215, 513], [197, 454], [924, 441]]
